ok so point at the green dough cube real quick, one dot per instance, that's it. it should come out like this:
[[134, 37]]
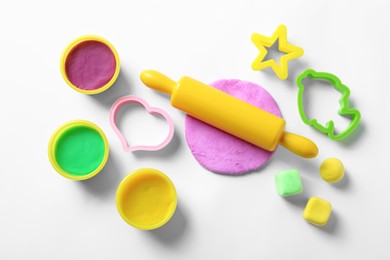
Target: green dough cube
[[288, 183]]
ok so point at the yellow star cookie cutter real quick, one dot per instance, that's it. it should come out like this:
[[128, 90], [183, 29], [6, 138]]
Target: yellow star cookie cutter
[[263, 42]]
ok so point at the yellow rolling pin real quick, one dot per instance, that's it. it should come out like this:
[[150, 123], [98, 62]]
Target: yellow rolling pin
[[229, 114]]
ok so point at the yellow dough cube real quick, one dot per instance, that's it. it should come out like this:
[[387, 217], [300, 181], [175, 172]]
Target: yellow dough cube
[[317, 211]]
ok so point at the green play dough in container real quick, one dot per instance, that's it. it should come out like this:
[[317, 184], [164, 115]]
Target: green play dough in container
[[79, 150]]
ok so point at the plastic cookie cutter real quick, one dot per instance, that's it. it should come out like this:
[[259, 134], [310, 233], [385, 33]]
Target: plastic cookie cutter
[[152, 110], [344, 110], [263, 42]]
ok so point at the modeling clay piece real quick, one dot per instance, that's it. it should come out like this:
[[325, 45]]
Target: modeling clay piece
[[152, 110], [317, 211], [288, 183], [332, 170], [90, 64], [263, 42], [146, 199], [78, 150], [229, 114], [344, 110], [224, 153]]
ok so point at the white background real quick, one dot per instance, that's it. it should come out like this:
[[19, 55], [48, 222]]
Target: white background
[[45, 216]]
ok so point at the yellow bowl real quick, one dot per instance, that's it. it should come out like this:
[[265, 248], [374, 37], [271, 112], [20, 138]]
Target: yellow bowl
[[72, 46], [146, 199], [78, 150]]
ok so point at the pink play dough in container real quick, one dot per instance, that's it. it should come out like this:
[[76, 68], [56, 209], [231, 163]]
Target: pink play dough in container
[[223, 153], [90, 65]]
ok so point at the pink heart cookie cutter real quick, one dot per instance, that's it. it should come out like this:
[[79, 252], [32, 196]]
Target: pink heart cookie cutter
[[151, 110]]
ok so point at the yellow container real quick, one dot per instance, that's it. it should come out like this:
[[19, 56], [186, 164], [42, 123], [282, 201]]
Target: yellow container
[[76, 44], [78, 150], [146, 199]]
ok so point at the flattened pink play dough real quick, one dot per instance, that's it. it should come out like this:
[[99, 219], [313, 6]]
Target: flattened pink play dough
[[90, 65], [223, 153]]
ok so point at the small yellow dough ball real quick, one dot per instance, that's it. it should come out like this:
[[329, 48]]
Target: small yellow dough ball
[[332, 170]]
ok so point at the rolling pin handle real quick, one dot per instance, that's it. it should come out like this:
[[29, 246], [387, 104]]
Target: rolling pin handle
[[299, 145], [158, 81]]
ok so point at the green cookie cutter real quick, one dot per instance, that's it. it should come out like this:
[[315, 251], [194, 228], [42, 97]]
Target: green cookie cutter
[[344, 110]]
